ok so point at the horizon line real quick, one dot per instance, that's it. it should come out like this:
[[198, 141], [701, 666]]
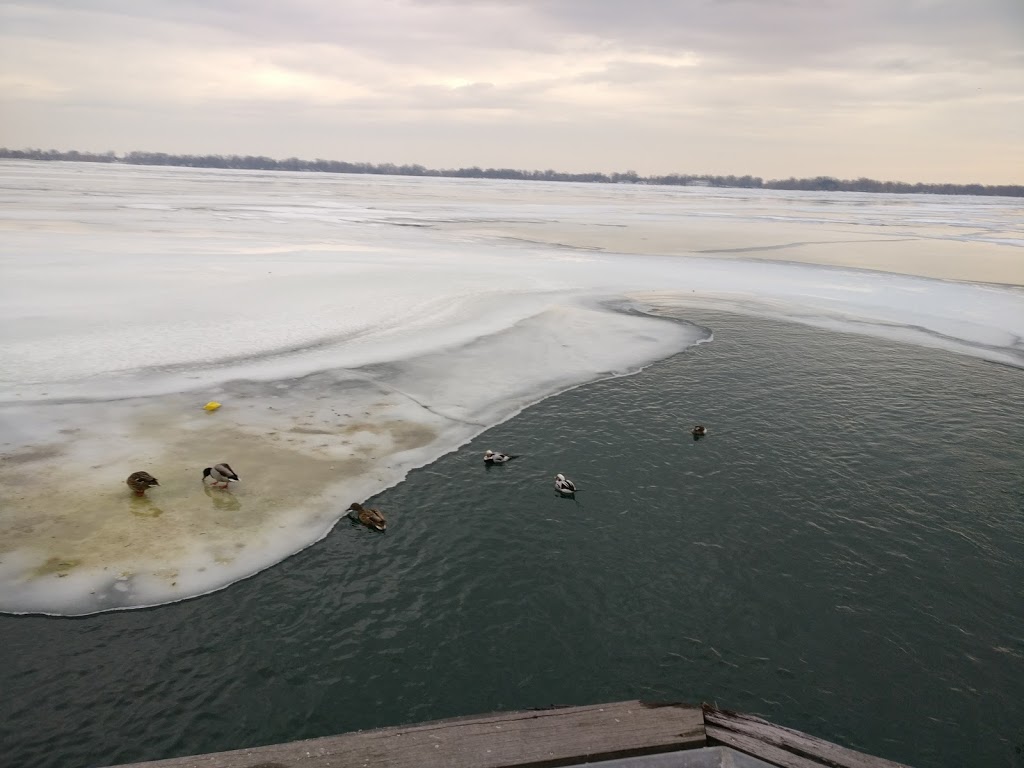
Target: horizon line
[[321, 165]]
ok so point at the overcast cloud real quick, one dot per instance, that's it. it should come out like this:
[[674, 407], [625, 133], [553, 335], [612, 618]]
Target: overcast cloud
[[917, 90]]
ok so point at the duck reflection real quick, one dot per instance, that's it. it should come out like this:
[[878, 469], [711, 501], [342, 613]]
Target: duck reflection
[[222, 502], [143, 506]]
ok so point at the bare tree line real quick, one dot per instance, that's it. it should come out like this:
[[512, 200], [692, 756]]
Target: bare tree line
[[261, 163]]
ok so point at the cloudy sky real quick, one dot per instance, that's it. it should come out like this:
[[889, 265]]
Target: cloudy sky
[[917, 90]]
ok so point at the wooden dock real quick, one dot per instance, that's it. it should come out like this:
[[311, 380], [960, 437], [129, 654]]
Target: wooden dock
[[683, 735]]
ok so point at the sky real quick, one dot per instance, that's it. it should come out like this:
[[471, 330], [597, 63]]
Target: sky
[[912, 90]]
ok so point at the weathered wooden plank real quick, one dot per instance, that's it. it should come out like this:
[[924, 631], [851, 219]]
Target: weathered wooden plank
[[758, 748], [791, 740], [534, 739]]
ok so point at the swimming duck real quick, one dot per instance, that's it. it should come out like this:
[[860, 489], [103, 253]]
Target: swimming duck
[[493, 457], [371, 518], [699, 431], [564, 486], [140, 481], [220, 474]]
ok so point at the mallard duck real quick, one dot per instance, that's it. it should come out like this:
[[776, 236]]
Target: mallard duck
[[495, 457], [371, 518], [564, 485], [699, 431], [140, 481], [220, 474]]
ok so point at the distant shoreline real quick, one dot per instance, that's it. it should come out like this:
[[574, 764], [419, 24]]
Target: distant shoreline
[[261, 163]]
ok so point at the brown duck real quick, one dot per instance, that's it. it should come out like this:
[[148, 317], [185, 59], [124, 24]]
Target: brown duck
[[140, 481], [371, 518]]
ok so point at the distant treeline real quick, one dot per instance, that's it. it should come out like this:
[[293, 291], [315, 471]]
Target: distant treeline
[[260, 163]]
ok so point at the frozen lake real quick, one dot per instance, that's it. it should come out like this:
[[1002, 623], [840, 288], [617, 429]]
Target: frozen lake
[[357, 327]]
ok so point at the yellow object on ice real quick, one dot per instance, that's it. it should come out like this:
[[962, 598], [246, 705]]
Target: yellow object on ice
[[213, 405]]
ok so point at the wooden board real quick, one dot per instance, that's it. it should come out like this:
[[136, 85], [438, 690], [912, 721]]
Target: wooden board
[[772, 743], [529, 739]]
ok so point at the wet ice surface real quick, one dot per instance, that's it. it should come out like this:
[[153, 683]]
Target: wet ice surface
[[357, 327]]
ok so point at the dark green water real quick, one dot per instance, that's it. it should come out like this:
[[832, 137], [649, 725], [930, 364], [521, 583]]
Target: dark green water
[[843, 554]]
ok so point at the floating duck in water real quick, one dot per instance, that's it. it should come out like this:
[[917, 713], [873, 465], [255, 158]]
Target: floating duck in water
[[220, 475], [140, 481], [494, 457], [564, 485], [371, 518], [699, 431]]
